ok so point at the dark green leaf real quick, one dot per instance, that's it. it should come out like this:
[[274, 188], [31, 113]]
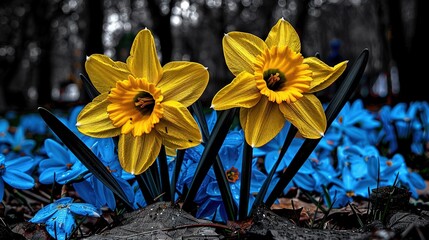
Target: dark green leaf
[[218, 168], [164, 173], [89, 87], [245, 178]]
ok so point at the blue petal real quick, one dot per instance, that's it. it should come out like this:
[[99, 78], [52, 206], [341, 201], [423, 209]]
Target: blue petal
[[304, 181], [61, 225], [125, 185], [4, 126], [56, 151], [104, 195], [77, 169], [50, 163], [85, 209], [416, 180], [17, 179], [48, 175], [22, 163], [85, 191], [44, 213]]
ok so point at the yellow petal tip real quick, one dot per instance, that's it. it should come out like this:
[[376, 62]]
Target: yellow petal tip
[[78, 124]]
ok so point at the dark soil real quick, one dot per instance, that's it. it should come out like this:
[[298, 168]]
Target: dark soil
[[390, 217]]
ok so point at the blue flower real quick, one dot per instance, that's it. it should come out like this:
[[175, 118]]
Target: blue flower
[[396, 167], [401, 118], [355, 123], [61, 165], [350, 188], [302, 179], [33, 123], [355, 158], [424, 115], [93, 190], [208, 196], [18, 144], [59, 216], [4, 130], [324, 172], [404, 127], [387, 134], [12, 172], [212, 207]]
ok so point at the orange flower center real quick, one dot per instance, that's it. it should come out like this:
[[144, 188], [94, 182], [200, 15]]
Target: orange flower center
[[274, 79], [232, 174], [135, 106], [144, 102], [350, 193], [281, 75]]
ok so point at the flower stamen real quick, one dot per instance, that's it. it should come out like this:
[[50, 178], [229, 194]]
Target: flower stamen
[[282, 75], [350, 193], [144, 102], [69, 166], [232, 174], [274, 79]]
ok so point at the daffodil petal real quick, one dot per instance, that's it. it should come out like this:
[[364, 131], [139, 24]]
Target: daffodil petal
[[178, 128], [262, 122], [241, 92], [137, 154], [99, 66], [307, 115], [283, 34], [323, 75], [94, 121], [143, 61], [183, 82], [240, 50], [170, 151]]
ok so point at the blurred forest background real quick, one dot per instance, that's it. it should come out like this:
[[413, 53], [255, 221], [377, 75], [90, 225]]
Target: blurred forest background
[[44, 43]]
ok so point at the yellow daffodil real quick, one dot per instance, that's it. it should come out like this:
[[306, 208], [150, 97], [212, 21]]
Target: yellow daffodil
[[143, 103], [274, 83]]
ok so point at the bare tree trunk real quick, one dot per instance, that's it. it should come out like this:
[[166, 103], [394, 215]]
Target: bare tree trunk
[[94, 34], [162, 28], [419, 49], [409, 68], [93, 40], [10, 99], [43, 32]]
